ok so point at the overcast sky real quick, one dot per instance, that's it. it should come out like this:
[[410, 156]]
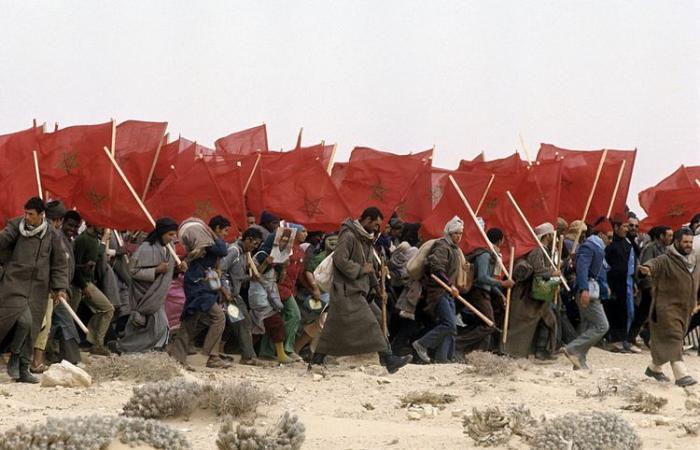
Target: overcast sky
[[403, 76]]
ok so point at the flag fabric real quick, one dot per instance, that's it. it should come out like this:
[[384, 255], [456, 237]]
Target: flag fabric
[[580, 186], [323, 153], [362, 153], [14, 147], [173, 156], [244, 142], [136, 145], [423, 194], [683, 177], [507, 165], [17, 172], [340, 169], [66, 153], [228, 174], [673, 208]]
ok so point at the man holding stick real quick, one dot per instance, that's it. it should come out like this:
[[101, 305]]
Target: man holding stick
[[34, 264]]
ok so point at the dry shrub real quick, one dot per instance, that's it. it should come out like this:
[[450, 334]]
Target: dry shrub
[[139, 367], [692, 403], [288, 434], [645, 402], [587, 431], [180, 398], [92, 433], [491, 427], [489, 364], [426, 398], [611, 386]]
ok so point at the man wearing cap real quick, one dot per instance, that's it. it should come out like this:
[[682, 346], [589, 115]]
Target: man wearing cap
[[151, 268], [590, 284], [527, 312], [675, 279], [269, 223], [34, 265]]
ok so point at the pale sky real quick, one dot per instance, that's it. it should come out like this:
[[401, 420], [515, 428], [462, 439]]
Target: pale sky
[[402, 76]]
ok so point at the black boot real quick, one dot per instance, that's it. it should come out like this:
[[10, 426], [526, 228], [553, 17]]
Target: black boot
[[394, 363], [317, 359], [25, 376], [13, 366]]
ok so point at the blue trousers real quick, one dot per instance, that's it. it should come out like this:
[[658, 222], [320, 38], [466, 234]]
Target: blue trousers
[[442, 337]]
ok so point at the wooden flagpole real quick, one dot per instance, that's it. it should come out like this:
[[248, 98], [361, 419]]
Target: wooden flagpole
[[529, 227], [38, 176], [697, 182], [138, 200], [590, 197], [329, 169], [113, 148], [508, 295], [527, 154], [617, 186], [250, 177], [481, 230], [483, 196], [153, 168], [471, 307]]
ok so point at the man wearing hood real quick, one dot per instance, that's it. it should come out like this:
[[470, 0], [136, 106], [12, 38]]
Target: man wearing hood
[[353, 325], [590, 284], [34, 265], [269, 223], [444, 262], [675, 278], [151, 269]]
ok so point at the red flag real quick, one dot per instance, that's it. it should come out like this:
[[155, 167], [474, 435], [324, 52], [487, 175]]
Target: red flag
[[229, 176], [340, 169], [244, 142], [507, 165], [479, 158], [323, 153], [673, 208], [683, 177], [423, 195], [192, 193], [135, 149], [15, 147], [361, 153], [65, 153], [171, 159], [17, 173], [580, 186]]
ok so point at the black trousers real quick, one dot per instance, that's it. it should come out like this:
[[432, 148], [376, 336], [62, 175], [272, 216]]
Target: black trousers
[[641, 315]]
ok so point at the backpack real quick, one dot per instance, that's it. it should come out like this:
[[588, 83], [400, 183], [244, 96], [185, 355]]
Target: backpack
[[416, 265], [468, 273], [324, 273]]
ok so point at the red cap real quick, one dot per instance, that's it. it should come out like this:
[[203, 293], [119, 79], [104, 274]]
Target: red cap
[[603, 227]]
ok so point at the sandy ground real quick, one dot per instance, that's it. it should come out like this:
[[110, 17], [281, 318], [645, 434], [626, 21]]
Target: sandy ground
[[333, 412]]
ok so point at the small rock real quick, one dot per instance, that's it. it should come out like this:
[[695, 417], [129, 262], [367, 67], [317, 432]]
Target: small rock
[[368, 406], [458, 413], [289, 388], [383, 381], [317, 377], [558, 373], [663, 421], [414, 415], [65, 374]]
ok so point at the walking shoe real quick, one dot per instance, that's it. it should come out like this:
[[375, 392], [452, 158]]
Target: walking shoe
[[214, 362], [630, 347], [25, 376], [658, 376], [113, 347], [394, 363], [99, 350], [575, 359], [13, 366], [618, 347], [686, 381], [421, 351]]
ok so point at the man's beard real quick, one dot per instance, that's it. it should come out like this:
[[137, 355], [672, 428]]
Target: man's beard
[[682, 251]]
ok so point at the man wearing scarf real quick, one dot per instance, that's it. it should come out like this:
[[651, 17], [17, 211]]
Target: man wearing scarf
[[444, 262], [353, 325], [34, 265], [675, 278], [151, 269]]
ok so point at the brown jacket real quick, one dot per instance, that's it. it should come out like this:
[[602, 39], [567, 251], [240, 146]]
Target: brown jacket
[[674, 294], [32, 267]]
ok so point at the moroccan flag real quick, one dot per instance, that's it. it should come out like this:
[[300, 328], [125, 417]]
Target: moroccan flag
[[192, 193], [502, 166], [340, 169], [423, 195], [103, 198], [381, 182], [451, 205], [228, 176], [580, 186], [244, 142], [15, 147], [323, 153], [304, 193], [66, 153], [683, 177], [672, 208], [479, 158], [17, 173], [135, 149], [170, 159], [362, 153]]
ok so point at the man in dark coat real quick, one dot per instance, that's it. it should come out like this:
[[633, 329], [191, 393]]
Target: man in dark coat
[[675, 279], [34, 265], [353, 325]]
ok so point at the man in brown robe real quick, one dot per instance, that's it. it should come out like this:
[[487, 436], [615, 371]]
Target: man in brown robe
[[34, 264], [353, 325], [526, 312], [675, 279]]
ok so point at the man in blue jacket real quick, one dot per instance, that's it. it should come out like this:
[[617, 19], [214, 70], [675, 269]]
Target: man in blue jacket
[[591, 286]]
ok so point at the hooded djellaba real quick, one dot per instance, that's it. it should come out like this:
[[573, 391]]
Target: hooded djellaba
[[151, 269]]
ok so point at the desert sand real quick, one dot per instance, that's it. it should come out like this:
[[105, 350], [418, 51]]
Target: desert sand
[[357, 405]]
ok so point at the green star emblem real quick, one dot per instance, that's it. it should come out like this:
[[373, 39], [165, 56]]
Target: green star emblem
[[95, 198], [69, 161], [203, 209], [378, 191], [676, 211], [312, 207]]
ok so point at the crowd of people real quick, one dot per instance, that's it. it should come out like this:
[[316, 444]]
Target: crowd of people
[[285, 294]]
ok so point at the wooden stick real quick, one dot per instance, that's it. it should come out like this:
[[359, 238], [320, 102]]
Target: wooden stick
[[114, 137], [383, 294], [617, 186], [329, 169], [527, 154], [560, 248], [590, 198], [153, 169], [72, 313], [36, 173], [138, 200], [508, 295], [697, 182], [471, 307], [486, 192], [481, 230], [250, 177], [532, 231]]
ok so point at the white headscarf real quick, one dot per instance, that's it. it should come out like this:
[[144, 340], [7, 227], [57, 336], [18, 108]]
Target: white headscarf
[[455, 225]]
